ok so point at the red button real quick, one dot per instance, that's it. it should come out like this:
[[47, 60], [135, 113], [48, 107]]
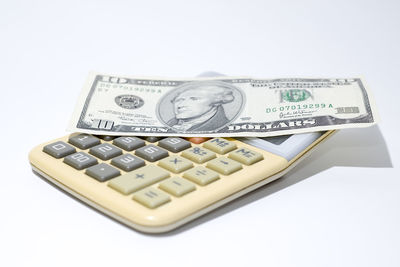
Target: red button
[[197, 140]]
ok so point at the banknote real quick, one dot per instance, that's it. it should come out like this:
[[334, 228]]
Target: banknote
[[220, 106]]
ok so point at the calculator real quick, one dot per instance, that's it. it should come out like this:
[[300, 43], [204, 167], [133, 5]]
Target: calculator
[[155, 184]]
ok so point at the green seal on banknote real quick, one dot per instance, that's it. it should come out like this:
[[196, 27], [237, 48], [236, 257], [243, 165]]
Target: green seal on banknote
[[295, 95]]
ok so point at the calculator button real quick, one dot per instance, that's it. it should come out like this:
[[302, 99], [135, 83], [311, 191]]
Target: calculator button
[[128, 143], [106, 137], [201, 175], [59, 149], [245, 156], [175, 164], [177, 186], [138, 179], [198, 154], [220, 145], [151, 197], [197, 140], [84, 141], [105, 151], [224, 165], [174, 144], [152, 139], [151, 153], [80, 160], [102, 172], [127, 162]]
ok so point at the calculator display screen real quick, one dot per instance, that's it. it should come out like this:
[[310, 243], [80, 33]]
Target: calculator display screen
[[287, 146], [276, 140]]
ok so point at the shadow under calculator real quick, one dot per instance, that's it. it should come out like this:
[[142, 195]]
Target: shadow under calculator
[[363, 147]]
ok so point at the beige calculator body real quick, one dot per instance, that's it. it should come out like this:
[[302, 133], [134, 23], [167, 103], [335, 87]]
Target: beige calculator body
[[157, 185]]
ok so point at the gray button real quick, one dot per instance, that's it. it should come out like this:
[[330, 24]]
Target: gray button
[[105, 151], [127, 162], [174, 144], [84, 141], [80, 160], [106, 137], [152, 139], [128, 143], [102, 172], [151, 153], [59, 149]]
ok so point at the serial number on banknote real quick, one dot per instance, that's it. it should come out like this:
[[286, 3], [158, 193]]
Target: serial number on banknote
[[298, 107]]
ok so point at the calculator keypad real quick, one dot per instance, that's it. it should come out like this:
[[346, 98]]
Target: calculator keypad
[[80, 160], [127, 162], [106, 137], [245, 156], [128, 143], [198, 154], [220, 145], [105, 151], [152, 139], [102, 172], [151, 153], [177, 186], [224, 165], [84, 141], [201, 175], [138, 179], [174, 144], [151, 184], [151, 197], [59, 149], [175, 164]]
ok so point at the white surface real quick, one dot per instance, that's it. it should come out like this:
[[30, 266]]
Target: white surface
[[340, 207]]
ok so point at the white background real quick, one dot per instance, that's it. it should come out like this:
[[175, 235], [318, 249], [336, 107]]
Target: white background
[[340, 207]]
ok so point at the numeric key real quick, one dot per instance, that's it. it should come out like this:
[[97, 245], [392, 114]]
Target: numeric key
[[152, 139], [106, 137], [127, 162], [105, 151], [84, 141], [128, 143], [80, 160], [151, 153], [174, 144], [59, 149]]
